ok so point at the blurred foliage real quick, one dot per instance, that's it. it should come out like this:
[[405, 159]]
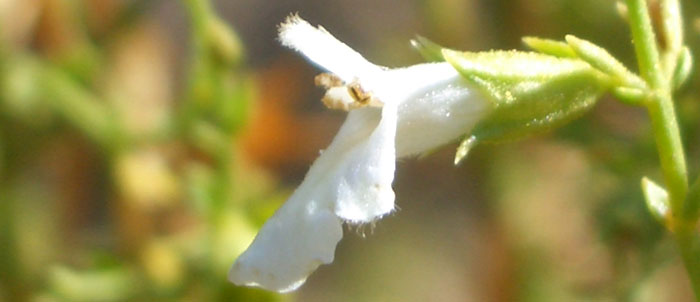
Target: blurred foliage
[[130, 173], [117, 186]]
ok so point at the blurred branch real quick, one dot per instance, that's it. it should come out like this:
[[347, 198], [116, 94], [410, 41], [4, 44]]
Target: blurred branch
[[81, 108], [215, 90]]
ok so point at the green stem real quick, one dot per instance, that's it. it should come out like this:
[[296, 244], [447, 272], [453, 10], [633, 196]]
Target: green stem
[[665, 127], [199, 10], [660, 106], [645, 43], [670, 148]]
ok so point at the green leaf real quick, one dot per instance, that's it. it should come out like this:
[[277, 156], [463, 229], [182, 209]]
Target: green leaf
[[602, 60], [430, 51], [684, 66], [657, 200], [530, 92], [632, 96], [550, 47]]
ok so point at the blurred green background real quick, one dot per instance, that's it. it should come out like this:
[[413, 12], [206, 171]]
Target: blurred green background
[[142, 143]]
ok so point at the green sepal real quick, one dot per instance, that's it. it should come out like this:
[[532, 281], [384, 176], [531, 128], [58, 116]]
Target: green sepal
[[656, 199], [684, 66], [530, 92], [550, 47], [431, 51]]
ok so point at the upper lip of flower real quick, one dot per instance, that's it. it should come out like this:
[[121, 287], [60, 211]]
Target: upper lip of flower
[[319, 46], [351, 180]]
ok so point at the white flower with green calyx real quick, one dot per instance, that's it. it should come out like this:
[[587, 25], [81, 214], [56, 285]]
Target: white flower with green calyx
[[393, 113], [529, 92]]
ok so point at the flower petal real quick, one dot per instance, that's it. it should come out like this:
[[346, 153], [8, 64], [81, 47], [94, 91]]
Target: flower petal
[[438, 106], [322, 48], [299, 237], [351, 179], [363, 178]]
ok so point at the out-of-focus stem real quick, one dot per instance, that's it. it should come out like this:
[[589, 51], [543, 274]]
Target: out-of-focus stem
[[81, 109], [199, 11]]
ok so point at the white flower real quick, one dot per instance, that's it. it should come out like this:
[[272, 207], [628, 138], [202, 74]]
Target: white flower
[[393, 113]]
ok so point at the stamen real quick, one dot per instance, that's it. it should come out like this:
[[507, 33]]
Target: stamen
[[345, 97], [360, 95]]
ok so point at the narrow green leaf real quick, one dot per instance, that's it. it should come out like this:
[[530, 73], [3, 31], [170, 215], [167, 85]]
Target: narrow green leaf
[[550, 47], [632, 96], [684, 66], [431, 51], [657, 200], [602, 60]]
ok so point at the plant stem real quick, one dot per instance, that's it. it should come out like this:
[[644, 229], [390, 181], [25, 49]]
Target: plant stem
[[645, 43], [660, 106], [670, 148], [665, 126]]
